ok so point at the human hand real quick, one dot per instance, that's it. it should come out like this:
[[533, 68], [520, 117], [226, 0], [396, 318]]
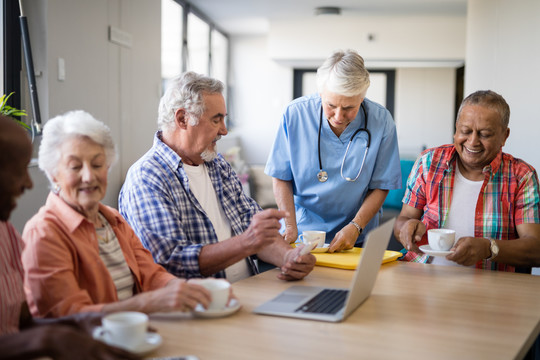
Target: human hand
[[411, 233], [177, 295], [263, 230], [296, 266], [344, 239], [467, 251], [63, 342], [85, 321], [291, 234]]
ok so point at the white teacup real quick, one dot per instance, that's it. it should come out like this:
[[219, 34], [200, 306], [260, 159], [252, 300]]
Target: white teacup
[[125, 329], [441, 239], [219, 289], [313, 236]]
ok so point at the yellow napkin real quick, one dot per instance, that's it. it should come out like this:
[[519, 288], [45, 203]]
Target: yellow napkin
[[348, 259]]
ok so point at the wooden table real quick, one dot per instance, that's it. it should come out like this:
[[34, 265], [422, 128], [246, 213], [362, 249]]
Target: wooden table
[[416, 311]]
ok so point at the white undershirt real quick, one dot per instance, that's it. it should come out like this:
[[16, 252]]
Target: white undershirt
[[201, 185], [462, 210]]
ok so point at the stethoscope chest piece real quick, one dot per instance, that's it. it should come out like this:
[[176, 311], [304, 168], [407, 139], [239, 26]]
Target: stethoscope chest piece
[[322, 176]]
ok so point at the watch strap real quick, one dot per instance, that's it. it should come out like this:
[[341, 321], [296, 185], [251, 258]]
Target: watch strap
[[358, 227]]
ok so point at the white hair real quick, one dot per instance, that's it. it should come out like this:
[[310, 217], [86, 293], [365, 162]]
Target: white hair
[[69, 125], [186, 92], [343, 73]]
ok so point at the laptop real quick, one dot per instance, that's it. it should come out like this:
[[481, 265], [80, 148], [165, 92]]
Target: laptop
[[334, 304]]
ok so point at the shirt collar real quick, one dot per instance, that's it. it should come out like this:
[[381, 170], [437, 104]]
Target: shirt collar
[[169, 156], [492, 168], [71, 218]]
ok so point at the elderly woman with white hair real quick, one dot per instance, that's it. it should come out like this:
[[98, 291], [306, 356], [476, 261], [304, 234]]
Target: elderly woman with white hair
[[81, 255], [335, 156]]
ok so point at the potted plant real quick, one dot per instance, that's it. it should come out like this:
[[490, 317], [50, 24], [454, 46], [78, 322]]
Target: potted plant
[[10, 111]]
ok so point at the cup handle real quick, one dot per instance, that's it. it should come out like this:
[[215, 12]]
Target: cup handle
[[99, 333], [301, 238]]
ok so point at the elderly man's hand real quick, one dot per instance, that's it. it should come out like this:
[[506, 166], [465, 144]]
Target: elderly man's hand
[[264, 229], [468, 250], [296, 266], [411, 233]]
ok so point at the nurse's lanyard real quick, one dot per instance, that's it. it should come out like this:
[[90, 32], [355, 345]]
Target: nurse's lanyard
[[323, 175]]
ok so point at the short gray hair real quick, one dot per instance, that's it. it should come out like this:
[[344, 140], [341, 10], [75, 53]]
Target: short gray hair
[[489, 99], [69, 125], [343, 73], [186, 92]]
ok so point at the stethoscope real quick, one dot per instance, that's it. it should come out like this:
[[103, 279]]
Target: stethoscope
[[323, 175]]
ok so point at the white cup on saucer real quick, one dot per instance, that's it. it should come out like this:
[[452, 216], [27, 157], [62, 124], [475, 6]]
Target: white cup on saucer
[[125, 329], [219, 290], [313, 236], [441, 239]]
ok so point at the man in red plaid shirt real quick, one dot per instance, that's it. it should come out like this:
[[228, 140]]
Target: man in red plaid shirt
[[490, 198]]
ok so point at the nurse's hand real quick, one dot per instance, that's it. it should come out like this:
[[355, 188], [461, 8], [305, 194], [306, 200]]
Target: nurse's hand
[[291, 234], [344, 239]]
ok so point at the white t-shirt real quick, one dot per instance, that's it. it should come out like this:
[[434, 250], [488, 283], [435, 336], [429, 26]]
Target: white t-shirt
[[201, 185], [462, 209]]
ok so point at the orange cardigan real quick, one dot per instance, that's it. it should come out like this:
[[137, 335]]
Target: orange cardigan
[[63, 271]]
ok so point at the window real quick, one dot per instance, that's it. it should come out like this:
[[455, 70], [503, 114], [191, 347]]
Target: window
[[219, 55], [172, 19], [198, 45], [190, 41]]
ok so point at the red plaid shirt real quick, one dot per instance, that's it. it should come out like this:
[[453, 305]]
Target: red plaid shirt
[[509, 197]]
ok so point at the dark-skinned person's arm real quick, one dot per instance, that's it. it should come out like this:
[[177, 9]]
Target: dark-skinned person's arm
[[60, 342], [408, 229]]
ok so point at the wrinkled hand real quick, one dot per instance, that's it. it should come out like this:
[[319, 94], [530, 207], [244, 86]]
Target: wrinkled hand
[[344, 239], [411, 233], [291, 234], [63, 342], [177, 295], [468, 250], [296, 266], [264, 229]]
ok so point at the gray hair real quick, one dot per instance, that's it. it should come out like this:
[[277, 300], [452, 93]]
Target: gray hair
[[185, 92], [343, 73], [489, 99], [69, 125]]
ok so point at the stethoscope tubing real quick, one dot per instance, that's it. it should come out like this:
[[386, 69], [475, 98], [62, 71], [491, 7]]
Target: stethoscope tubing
[[323, 176]]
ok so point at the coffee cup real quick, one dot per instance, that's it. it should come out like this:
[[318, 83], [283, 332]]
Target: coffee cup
[[441, 239], [219, 291], [125, 329], [313, 236]]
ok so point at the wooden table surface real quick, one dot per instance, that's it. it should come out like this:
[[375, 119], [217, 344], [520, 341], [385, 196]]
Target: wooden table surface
[[416, 311]]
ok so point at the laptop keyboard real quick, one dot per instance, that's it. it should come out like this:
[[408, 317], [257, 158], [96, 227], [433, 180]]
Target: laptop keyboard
[[328, 301]]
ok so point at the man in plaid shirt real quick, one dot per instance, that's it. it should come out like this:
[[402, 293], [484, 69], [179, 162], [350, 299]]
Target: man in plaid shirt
[[490, 198], [187, 205]]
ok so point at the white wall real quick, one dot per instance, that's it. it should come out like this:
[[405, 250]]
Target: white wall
[[260, 89], [424, 50], [406, 37], [116, 84], [425, 111], [503, 48]]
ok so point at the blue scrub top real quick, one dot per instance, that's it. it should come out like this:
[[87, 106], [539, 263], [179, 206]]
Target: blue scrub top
[[331, 205]]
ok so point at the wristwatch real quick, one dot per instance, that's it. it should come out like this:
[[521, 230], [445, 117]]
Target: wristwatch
[[358, 227], [494, 249]]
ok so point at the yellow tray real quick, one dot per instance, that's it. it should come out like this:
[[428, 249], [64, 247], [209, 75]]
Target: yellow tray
[[348, 259]]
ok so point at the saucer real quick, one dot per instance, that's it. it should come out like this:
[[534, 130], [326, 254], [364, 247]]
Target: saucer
[[426, 249], [152, 342], [321, 249], [233, 307]]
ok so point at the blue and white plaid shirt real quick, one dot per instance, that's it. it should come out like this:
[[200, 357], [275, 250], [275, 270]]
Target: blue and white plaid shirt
[[157, 202]]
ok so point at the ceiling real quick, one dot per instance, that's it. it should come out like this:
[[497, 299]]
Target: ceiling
[[253, 17]]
